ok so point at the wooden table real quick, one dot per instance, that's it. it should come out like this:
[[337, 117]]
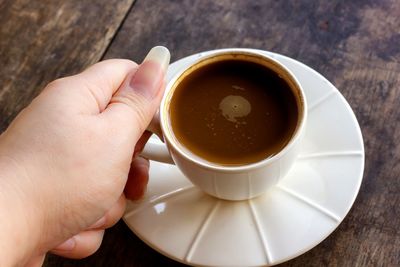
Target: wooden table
[[355, 44]]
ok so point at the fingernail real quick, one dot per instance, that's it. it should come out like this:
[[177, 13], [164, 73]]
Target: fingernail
[[100, 222], [151, 73], [159, 54], [67, 245]]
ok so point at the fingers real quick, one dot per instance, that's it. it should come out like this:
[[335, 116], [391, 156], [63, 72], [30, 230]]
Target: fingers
[[105, 78], [112, 216], [90, 91], [134, 104], [137, 179], [87, 242], [138, 176], [108, 74], [141, 143], [36, 261], [81, 245]]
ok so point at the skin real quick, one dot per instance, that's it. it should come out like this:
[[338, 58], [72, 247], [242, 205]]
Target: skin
[[67, 159]]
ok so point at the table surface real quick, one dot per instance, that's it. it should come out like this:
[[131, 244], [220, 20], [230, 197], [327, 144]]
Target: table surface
[[354, 44]]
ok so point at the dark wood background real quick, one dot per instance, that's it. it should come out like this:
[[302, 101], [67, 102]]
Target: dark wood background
[[355, 44]]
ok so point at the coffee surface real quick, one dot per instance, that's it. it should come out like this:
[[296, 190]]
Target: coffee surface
[[233, 112]]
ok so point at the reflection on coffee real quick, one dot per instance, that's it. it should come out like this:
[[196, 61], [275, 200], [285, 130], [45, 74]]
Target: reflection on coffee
[[233, 112]]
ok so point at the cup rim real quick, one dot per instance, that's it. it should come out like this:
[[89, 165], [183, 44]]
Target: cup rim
[[171, 140]]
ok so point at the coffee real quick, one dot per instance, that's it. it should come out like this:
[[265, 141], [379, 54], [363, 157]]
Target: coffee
[[233, 112]]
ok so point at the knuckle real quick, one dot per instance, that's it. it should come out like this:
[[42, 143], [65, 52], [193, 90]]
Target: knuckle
[[57, 83]]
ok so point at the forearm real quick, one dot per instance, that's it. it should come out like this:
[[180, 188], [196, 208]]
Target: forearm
[[19, 233]]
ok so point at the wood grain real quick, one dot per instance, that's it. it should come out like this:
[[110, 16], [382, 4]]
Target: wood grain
[[355, 44], [43, 40]]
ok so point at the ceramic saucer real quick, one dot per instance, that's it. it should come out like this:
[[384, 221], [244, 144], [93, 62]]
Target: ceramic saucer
[[181, 222]]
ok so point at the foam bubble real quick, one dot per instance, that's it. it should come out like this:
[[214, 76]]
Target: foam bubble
[[234, 106]]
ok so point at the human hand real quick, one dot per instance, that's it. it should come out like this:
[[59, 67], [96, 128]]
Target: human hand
[[66, 158]]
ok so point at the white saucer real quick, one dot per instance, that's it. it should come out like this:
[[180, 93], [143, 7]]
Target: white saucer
[[181, 222]]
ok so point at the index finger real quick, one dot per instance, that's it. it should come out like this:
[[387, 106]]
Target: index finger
[[103, 79], [91, 90]]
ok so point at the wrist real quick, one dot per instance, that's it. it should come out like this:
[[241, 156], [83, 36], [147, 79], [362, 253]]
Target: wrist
[[19, 224]]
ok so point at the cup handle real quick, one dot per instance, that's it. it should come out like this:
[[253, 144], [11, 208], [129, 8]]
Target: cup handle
[[154, 151]]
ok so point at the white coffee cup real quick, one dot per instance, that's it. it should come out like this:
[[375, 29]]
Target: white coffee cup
[[227, 182]]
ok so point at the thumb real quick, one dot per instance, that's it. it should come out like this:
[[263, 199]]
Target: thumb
[[138, 98]]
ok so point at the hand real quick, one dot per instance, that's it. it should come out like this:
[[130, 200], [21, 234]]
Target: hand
[[66, 158]]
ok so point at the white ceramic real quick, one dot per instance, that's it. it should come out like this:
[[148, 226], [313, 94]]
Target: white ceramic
[[230, 182], [187, 225]]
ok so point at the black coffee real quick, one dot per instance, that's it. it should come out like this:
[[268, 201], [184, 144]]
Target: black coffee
[[233, 112]]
